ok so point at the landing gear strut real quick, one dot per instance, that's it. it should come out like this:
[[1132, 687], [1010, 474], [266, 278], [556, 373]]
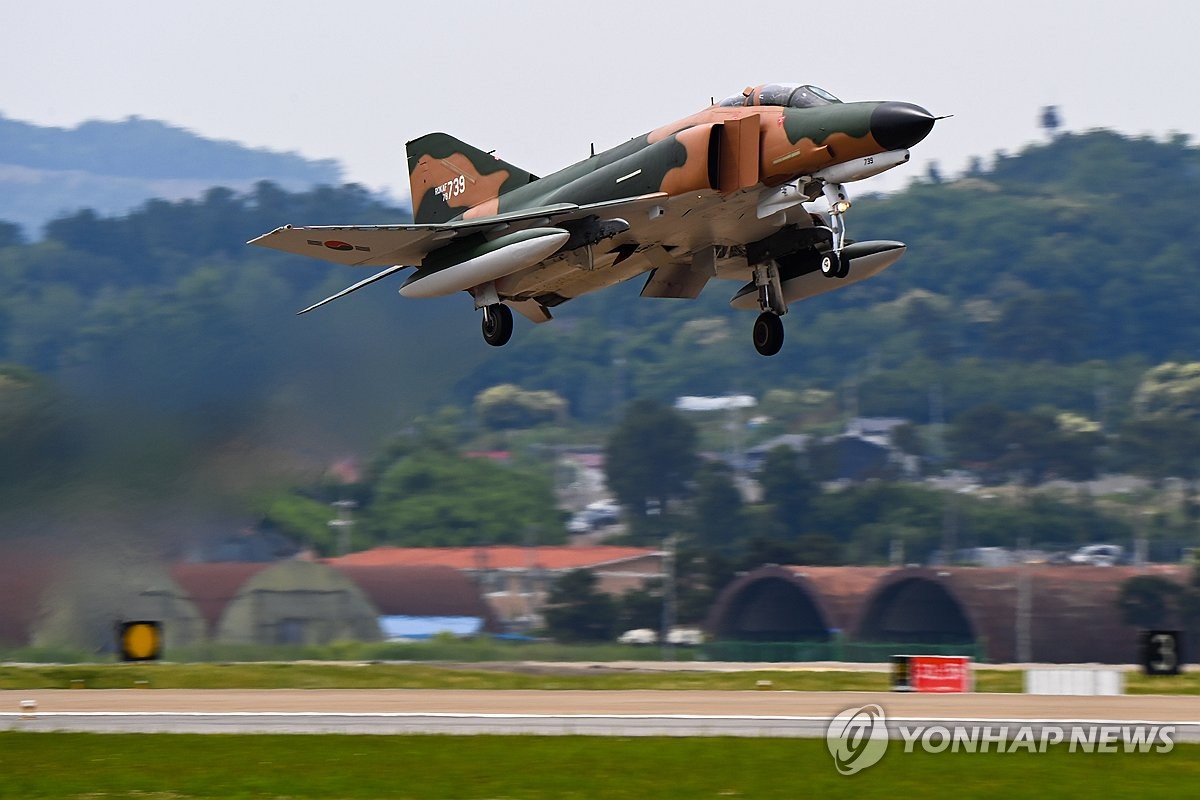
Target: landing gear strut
[[768, 328], [497, 324], [833, 263]]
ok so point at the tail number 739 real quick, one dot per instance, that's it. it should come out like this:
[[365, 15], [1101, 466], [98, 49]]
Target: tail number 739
[[451, 188]]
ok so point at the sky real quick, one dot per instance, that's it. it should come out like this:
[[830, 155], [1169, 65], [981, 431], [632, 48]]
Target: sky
[[539, 82]]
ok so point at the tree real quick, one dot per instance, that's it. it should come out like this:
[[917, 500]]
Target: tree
[[641, 607], [1148, 601], [576, 611], [10, 234], [788, 488], [650, 459], [430, 497], [38, 436], [1170, 390], [717, 519], [700, 575], [510, 406]]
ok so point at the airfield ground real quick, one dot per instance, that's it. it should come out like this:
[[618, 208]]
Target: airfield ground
[[534, 766]]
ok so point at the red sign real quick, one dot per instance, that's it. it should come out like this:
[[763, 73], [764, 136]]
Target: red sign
[[937, 674]]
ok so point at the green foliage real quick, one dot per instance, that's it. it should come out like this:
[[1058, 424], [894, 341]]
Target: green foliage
[[429, 497], [1027, 287], [717, 517], [509, 406], [10, 234], [1160, 447], [301, 518], [576, 611], [1148, 601], [641, 608], [1032, 446], [789, 489], [38, 434], [1170, 390], [650, 456]]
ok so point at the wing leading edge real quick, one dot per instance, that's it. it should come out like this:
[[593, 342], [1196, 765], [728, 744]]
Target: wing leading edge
[[398, 247]]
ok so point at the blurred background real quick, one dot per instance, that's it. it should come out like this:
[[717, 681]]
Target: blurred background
[[1020, 393]]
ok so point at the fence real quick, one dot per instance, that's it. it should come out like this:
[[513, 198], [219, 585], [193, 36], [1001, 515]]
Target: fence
[[836, 649]]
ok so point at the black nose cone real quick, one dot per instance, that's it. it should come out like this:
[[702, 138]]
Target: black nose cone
[[897, 126]]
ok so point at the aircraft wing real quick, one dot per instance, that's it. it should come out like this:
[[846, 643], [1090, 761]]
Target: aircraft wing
[[397, 247], [392, 245], [360, 245]]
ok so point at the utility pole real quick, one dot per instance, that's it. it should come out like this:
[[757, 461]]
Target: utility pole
[[343, 525], [1024, 606], [668, 608]]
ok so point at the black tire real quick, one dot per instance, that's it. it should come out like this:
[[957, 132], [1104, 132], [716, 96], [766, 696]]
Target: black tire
[[497, 325], [843, 266], [768, 334], [831, 265]]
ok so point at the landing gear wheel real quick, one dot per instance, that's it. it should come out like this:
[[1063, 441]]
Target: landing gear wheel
[[768, 334], [831, 265], [497, 324]]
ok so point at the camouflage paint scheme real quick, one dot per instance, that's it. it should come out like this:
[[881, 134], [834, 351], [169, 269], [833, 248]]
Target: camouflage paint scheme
[[684, 202]]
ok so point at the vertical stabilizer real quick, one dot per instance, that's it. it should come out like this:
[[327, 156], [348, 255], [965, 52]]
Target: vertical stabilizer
[[447, 177]]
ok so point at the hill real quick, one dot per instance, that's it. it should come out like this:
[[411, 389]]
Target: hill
[[1054, 278], [111, 167]]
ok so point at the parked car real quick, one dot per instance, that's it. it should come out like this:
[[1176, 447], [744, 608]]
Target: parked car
[[638, 636], [686, 637], [596, 515], [1099, 555]]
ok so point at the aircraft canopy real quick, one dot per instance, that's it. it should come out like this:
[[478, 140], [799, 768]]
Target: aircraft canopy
[[795, 95]]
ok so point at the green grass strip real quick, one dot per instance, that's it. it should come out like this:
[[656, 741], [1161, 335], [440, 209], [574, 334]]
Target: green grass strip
[[169, 766], [421, 676]]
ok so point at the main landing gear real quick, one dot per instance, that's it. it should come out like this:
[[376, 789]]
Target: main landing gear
[[768, 333], [497, 324], [768, 328]]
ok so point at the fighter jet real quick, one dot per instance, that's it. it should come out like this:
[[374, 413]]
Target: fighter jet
[[751, 189]]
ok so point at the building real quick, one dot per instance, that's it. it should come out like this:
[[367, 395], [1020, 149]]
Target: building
[[515, 580], [286, 602], [1038, 613], [54, 594], [415, 602]]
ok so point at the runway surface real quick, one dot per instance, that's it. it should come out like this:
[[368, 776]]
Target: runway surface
[[619, 713]]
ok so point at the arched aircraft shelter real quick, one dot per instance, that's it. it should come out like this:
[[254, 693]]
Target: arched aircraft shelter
[[916, 606], [771, 604]]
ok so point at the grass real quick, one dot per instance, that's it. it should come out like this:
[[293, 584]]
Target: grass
[[165, 675], [438, 648], [72, 765]]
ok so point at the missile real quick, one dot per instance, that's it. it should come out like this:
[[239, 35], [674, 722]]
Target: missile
[[455, 269], [866, 260], [864, 167], [790, 195]]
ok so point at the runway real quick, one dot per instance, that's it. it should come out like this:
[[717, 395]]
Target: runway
[[611, 713]]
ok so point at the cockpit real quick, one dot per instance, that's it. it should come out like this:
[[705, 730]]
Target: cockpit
[[794, 95]]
